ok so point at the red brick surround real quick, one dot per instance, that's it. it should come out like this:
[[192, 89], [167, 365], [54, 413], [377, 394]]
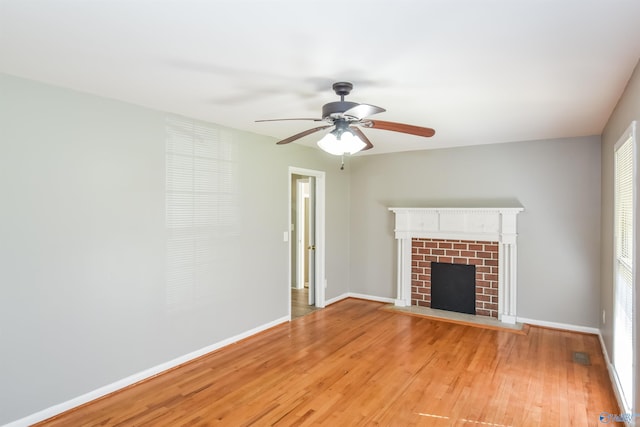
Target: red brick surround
[[484, 255]]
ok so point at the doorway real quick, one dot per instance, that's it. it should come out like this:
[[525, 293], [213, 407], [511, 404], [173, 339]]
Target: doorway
[[306, 250]]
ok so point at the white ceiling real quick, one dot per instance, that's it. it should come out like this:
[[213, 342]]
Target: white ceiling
[[477, 71]]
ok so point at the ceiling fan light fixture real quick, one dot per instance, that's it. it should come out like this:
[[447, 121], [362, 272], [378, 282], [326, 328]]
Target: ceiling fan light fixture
[[339, 143]]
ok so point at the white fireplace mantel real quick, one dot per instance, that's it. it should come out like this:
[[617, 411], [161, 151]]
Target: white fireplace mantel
[[482, 224]]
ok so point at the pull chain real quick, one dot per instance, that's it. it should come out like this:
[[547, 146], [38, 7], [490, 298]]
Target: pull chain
[[342, 165]]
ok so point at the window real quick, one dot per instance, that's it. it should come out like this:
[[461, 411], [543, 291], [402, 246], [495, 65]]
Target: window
[[201, 208], [624, 265]]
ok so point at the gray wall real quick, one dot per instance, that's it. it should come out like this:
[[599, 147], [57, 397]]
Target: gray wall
[[557, 182], [83, 245], [627, 110]]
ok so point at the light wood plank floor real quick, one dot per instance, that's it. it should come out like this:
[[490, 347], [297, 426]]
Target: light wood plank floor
[[300, 303], [353, 364]]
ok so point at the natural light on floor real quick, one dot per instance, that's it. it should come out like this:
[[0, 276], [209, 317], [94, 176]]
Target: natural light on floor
[[464, 420]]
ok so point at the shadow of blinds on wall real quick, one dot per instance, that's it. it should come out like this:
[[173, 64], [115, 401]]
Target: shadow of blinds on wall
[[201, 208], [624, 270]]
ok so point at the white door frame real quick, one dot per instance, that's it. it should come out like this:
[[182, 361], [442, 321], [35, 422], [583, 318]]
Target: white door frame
[[319, 235], [301, 250], [311, 248]]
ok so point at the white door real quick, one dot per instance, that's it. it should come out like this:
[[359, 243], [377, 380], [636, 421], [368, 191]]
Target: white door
[[311, 249], [302, 231]]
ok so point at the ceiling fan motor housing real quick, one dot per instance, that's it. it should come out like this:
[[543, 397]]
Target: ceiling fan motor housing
[[334, 110]]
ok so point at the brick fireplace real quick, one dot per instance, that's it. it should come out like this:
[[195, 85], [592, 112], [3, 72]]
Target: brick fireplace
[[482, 254], [483, 237]]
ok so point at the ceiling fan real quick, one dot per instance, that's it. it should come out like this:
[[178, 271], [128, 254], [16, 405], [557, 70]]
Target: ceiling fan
[[346, 137]]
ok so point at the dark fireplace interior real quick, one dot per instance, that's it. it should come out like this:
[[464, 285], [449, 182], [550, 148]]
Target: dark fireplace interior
[[453, 287]]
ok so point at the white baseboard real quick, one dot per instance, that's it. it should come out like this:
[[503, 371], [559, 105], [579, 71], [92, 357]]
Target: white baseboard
[[565, 326], [371, 297], [132, 379], [359, 296], [336, 299], [547, 324], [617, 390]]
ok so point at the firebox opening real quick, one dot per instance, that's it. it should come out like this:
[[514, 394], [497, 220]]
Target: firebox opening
[[453, 287]]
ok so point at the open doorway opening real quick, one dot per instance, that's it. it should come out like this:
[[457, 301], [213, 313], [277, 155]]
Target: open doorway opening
[[306, 259]]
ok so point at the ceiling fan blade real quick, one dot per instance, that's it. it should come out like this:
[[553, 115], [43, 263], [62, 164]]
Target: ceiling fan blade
[[301, 134], [280, 120], [362, 136], [363, 110], [399, 127]]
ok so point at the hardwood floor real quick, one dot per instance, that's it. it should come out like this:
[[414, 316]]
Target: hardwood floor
[[353, 364], [300, 303]]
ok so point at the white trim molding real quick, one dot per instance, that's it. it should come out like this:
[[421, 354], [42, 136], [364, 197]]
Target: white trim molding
[[617, 389], [336, 299], [359, 296], [371, 297], [561, 326], [481, 224]]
